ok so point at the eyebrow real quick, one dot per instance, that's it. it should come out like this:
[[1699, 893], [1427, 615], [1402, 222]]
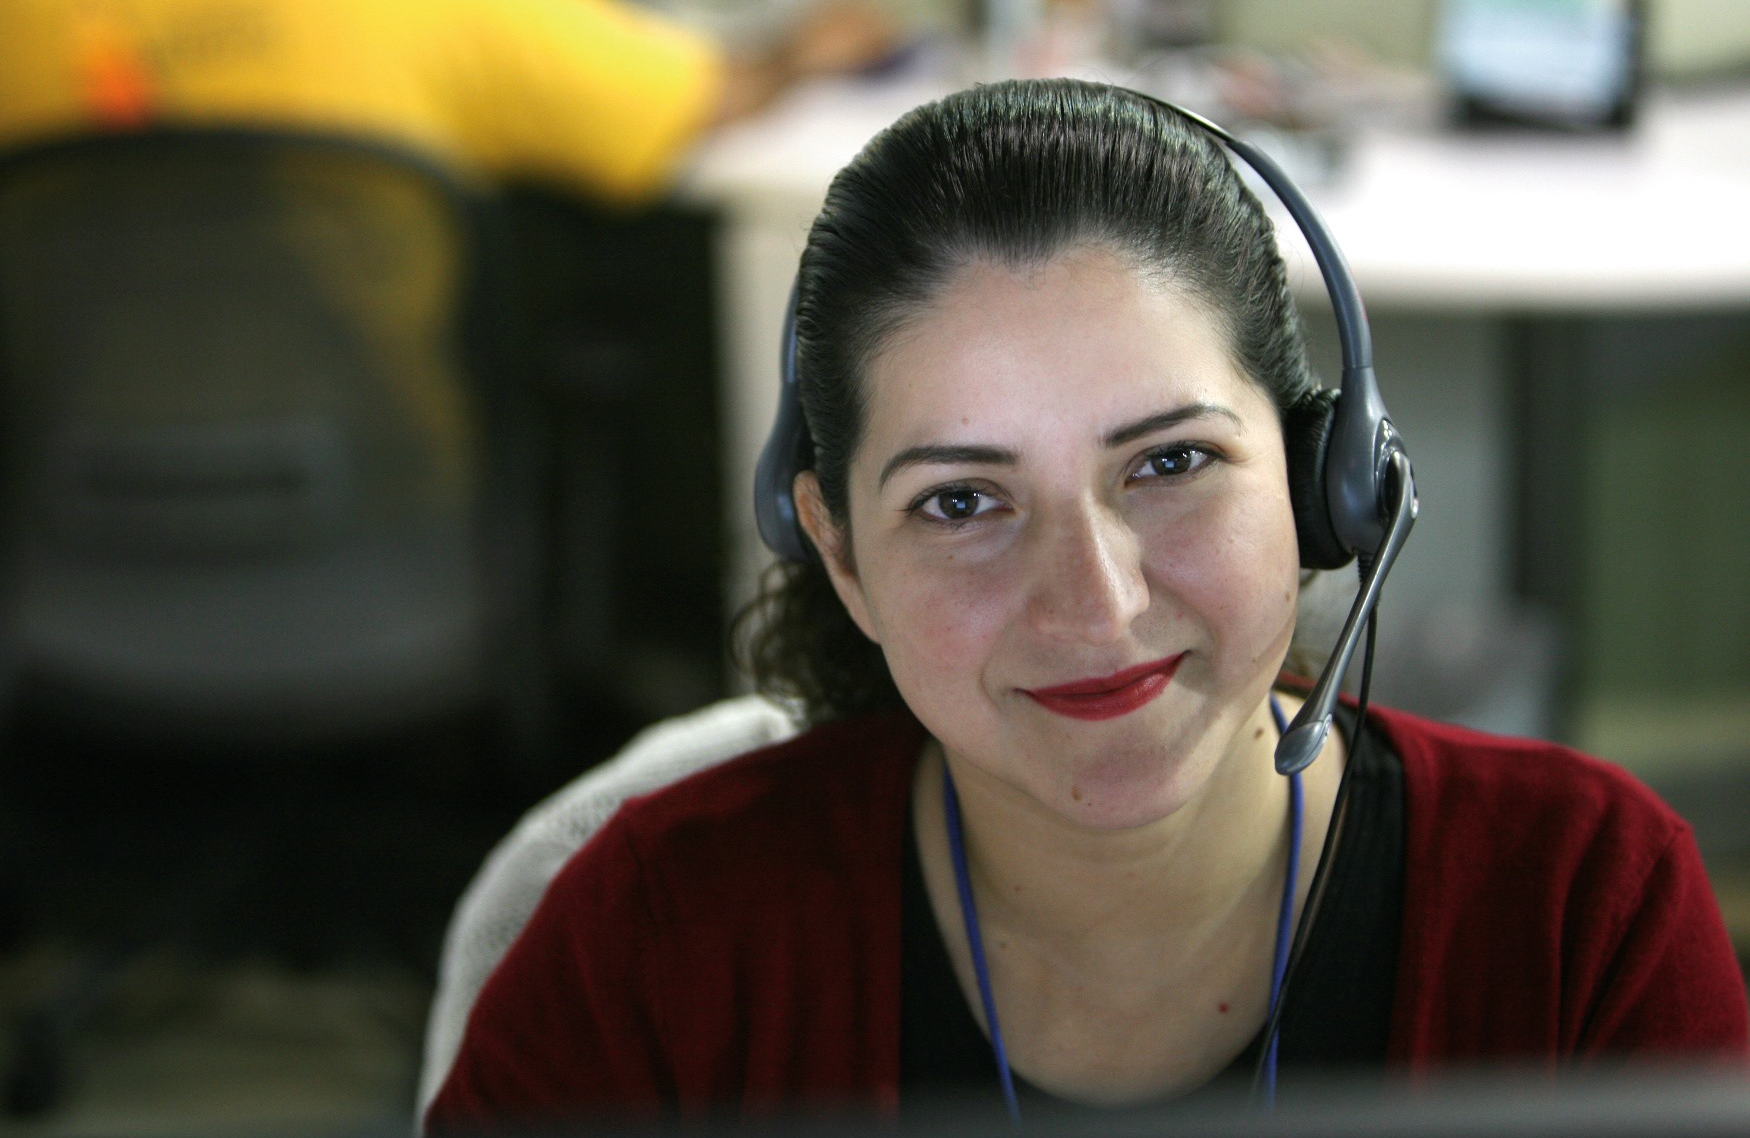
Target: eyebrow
[[1130, 432], [972, 454], [944, 455]]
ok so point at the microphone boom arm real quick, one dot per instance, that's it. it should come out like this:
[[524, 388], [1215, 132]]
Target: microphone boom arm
[[1305, 737]]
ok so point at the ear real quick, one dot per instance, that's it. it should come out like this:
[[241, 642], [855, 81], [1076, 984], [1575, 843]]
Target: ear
[[834, 547], [1306, 437]]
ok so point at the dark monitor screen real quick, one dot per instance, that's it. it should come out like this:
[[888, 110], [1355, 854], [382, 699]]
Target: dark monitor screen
[[1602, 1104]]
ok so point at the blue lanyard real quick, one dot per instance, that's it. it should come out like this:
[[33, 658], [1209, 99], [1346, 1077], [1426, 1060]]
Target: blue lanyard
[[969, 913]]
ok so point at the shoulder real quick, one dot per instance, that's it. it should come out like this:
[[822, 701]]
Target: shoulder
[[731, 936], [1460, 783], [809, 815], [619, 91], [1553, 907], [830, 777], [1525, 850]]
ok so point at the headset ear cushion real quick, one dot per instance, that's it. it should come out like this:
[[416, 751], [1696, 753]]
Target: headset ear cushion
[[1306, 434]]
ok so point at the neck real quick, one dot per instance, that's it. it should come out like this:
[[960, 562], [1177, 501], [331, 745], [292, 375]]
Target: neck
[[1127, 965]]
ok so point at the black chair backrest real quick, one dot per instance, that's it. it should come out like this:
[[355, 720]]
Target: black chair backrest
[[254, 418]]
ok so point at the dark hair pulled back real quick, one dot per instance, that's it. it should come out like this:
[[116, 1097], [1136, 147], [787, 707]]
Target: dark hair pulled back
[[1009, 173]]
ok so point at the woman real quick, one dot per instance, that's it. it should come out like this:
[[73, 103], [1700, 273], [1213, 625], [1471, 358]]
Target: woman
[[1046, 354]]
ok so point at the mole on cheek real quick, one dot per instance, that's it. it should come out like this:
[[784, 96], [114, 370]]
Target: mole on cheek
[[1075, 792]]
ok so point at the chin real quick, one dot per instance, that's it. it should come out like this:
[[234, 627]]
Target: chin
[[1125, 791]]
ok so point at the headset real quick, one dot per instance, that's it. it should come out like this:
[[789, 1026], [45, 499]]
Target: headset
[[1349, 476]]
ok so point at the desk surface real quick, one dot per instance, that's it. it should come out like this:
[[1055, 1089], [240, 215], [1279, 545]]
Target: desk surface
[[1655, 219]]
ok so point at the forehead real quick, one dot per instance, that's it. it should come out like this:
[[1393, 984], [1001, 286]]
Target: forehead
[[1061, 346]]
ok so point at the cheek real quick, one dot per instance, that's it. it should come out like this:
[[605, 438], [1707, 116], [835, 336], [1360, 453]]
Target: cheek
[[937, 620], [1236, 569]]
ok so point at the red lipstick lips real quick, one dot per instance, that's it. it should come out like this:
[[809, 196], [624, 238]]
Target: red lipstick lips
[[1108, 697]]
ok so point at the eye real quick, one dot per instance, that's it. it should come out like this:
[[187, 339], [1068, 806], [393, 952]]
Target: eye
[[1173, 461], [954, 504]]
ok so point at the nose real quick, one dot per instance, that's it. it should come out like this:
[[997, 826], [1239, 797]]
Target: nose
[[1087, 579]]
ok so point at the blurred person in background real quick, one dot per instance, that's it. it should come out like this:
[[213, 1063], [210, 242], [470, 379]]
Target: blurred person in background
[[592, 95]]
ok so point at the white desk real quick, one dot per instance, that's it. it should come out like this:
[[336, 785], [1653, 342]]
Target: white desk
[[1447, 236], [1532, 223]]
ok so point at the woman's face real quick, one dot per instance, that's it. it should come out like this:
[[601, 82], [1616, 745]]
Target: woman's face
[[1070, 533]]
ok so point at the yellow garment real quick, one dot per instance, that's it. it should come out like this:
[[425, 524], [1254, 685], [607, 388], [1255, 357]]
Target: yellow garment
[[587, 93]]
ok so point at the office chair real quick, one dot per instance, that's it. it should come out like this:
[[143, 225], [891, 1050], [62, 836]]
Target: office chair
[[503, 894], [272, 472], [252, 385]]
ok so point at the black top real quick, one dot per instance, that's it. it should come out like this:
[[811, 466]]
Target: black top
[[1338, 1014]]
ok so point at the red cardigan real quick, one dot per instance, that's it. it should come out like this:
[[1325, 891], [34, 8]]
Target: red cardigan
[[734, 939]]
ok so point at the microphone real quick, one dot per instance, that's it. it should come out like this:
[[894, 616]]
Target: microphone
[[1305, 737]]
